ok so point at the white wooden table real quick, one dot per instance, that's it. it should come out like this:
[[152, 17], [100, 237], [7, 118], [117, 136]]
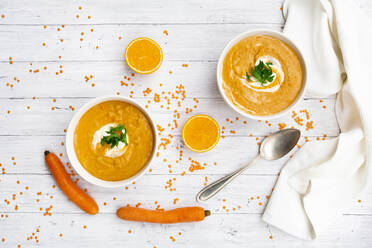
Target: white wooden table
[[197, 32]]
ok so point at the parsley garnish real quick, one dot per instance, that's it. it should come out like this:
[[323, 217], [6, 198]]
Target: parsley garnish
[[262, 72], [115, 136]]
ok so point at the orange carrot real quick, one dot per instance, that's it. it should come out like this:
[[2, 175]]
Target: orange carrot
[[186, 214], [71, 190]]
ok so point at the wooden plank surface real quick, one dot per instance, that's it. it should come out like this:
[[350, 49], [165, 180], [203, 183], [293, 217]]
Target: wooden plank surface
[[247, 195], [234, 230], [57, 120], [142, 12], [198, 78], [36, 106], [184, 42]]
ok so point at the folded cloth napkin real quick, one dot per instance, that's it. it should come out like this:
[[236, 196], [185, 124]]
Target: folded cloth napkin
[[324, 177]]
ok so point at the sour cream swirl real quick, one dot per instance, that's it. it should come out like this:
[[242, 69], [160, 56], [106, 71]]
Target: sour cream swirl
[[272, 86], [114, 152]]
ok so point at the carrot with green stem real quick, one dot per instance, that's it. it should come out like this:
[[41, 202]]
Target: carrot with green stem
[[185, 214], [71, 190]]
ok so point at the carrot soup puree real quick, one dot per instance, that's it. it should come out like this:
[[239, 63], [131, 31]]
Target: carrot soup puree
[[113, 140], [262, 75]]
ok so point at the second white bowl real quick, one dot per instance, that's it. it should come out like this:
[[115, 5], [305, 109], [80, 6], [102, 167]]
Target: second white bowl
[[71, 150], [275, 34]]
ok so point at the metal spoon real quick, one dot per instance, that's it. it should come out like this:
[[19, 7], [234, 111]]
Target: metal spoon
[[273, 147]]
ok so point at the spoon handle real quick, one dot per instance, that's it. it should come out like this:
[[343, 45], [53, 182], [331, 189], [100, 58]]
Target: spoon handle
[[212, 189]]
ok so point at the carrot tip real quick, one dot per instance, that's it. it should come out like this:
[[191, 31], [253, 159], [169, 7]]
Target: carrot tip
[[46, 153], [207, 213]]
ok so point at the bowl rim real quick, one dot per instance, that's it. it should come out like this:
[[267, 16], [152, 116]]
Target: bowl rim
[[279, 35], [71, 149]]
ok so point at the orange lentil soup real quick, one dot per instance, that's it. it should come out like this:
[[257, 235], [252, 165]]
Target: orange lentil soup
[[122, 161], [250, 95]]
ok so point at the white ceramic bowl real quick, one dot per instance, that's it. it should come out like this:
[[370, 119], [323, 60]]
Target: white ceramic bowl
[[275, 34], [71, 150]]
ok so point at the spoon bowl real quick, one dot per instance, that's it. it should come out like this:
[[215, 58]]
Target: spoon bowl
[[273, 147], [279, 143]]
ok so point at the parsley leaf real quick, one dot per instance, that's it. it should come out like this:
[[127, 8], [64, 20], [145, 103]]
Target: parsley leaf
[[118, 128], [115, 135], [262, 72]]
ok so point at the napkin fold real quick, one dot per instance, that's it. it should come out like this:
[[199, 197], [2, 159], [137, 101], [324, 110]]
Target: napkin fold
[[324, 177]]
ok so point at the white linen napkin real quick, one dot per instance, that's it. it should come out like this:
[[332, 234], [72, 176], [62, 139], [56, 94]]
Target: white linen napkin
[[324, 177]]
